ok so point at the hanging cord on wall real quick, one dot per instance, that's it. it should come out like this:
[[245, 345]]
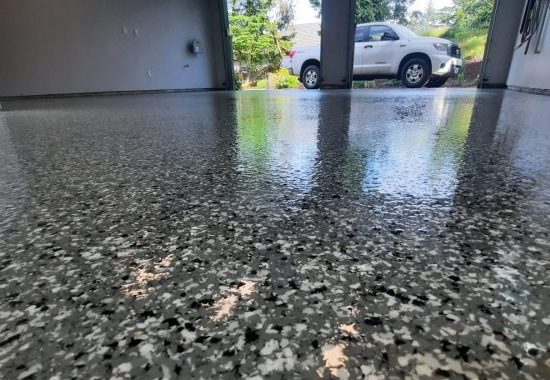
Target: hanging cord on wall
[[533, 22], [543, 27]]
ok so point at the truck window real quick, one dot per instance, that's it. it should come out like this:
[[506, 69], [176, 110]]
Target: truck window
[[361, 34], [382, 33]]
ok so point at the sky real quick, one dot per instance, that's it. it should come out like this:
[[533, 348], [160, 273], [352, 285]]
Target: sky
[[305, 13]]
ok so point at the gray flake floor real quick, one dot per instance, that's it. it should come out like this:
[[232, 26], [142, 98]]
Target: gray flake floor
[[279, 235]]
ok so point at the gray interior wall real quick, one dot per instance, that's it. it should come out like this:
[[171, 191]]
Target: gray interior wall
[[337, 43], [81, 46], [531, 70], [500, 42]]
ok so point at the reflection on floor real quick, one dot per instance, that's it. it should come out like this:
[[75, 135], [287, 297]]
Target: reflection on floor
[[276, 234]]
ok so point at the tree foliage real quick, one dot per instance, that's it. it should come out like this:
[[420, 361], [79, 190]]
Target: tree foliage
[[283, 11], [257, 42], [472, 14], [399, 10], [376, 10], [250, 7], [430, 17], [463, 17]]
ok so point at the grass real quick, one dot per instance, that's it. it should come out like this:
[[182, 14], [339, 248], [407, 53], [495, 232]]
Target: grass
[[433, 32], [473, 47], [472, 42]]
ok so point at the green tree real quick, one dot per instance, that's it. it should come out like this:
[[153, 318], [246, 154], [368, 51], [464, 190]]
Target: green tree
[[416, 20], [472, 14], [376, 10], [283, 13], [371, 10], [250, 7], [399, 10], [258, 46], [445, 16], [430, 15]]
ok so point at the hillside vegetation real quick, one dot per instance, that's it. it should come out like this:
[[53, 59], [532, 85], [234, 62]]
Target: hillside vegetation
[[472, 42]]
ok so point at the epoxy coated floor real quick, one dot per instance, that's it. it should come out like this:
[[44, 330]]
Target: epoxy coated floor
[[278, 235]]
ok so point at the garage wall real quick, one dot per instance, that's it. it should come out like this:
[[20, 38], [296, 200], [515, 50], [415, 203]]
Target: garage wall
[[532, 71], [81, 46]]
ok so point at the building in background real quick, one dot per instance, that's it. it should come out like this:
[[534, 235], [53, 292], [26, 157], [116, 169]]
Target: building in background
[[308, 34]]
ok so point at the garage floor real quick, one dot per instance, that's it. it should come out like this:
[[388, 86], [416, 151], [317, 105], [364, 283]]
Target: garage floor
[[276, 234]]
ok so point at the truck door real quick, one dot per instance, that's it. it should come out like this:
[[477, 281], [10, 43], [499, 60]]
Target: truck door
[[380, 50], [361, 35]]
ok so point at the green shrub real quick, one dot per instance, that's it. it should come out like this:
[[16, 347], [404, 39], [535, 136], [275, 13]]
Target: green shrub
[[284, 80], [391, 83], [370, 84], [238, 81], [279, 80], [433, 32]]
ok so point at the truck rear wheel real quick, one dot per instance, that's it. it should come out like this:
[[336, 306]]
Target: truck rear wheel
[[311, 77], [415, 73]]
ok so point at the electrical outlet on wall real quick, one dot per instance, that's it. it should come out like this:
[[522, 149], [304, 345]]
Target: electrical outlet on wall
[[136, 32], [125, 30], [149, 74]]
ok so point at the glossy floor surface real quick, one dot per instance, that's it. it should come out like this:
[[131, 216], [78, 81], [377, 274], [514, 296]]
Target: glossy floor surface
[[279, 235]]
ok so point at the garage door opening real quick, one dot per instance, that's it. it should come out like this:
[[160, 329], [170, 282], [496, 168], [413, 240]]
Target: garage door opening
[[398, 43], [262, 33], [420, 43]]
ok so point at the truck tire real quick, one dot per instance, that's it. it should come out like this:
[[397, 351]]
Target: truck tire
[[415, 73], [436, 82], [311, 77]]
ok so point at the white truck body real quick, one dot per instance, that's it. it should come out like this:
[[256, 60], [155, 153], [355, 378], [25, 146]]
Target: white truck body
[[381, 50]]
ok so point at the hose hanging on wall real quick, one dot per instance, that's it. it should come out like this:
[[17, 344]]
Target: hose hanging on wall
[[543, 27], [533, 23]]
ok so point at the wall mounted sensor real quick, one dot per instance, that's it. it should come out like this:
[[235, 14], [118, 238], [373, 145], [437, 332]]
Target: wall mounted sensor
[[195, 47]]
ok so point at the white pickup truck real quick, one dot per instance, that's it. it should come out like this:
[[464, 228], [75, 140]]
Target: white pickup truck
[[386, 51]]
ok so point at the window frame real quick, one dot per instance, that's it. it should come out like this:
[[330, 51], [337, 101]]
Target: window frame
[[382, 26]]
